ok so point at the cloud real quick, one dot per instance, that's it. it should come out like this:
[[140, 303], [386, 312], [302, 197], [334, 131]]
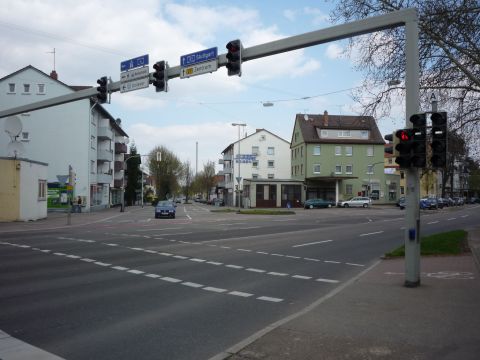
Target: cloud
[[334, 51], [290, 14], [318, 16]]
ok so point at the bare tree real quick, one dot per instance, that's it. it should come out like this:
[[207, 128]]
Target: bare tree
[[188, 180], [449, 57]]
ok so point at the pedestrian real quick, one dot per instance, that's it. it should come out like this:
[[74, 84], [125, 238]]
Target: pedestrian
[[79, 204]]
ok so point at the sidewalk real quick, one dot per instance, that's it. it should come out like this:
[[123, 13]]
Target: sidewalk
[[57, 220], [375, 317]]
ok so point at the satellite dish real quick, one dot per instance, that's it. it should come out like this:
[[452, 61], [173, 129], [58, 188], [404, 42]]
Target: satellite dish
[[15, 149], [13, 126]]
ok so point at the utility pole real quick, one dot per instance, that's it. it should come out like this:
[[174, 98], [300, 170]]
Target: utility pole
[[239, 178]]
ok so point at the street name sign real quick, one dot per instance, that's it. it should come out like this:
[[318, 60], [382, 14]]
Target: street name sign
[[134, 85], [199, 69], [198, 57], [134, 74], [134, 63]]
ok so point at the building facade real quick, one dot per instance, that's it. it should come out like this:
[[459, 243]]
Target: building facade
[[261, 155], [337, 157], [81, 136]]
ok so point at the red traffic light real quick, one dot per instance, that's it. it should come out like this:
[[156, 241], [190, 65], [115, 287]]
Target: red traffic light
[[404, 135]]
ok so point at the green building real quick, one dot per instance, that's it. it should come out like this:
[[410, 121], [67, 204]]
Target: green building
[[337, 157]]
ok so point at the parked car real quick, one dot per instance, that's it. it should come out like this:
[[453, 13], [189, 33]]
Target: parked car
[[458, 201], [400, 201], [442, 202], [428, 203], [318, 203], [357, 201], [166, 209]]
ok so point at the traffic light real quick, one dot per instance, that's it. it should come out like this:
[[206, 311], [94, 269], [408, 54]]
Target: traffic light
[[419, 141], [439, 139], [393, 142], [234, 57], [102, 90], [161, 76], [404, 147]]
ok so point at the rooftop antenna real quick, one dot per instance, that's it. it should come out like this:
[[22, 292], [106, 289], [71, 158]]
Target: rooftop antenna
[[53, 52]]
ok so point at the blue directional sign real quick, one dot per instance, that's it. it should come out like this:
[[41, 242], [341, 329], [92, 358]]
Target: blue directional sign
[[134, 63], [198, 57]]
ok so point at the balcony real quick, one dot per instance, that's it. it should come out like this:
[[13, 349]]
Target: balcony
[[221, 184], [104, 178], [227, 170], [120, 148], [117, 184], [227, 157], [118, 166], [104, 155], [104, 133]]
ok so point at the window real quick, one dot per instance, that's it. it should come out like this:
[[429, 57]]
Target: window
[[316, 150], [92, 167], [344, 133], [301, 169], [26, 88], [292, 170], [349, 189], [338, 150], [348, 169], [292, 154], [324, 133], [338, 169], [296, 136], [390, 161], [271, 176], [255, 164], [316, 168], [254, 176], [369, 169], [271, 163], [255, 150], [370, 150], [402, 190], [271, 151], [40, 88], [348, 150], [42, 189], [364, 134], [25, 136], [92, 142], [11, 88], [301, 152], [402, 175]]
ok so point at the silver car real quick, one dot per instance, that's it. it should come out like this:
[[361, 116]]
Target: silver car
[[357, 201]]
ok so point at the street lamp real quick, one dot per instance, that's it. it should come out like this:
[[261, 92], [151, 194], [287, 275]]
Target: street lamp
[[239, 178]]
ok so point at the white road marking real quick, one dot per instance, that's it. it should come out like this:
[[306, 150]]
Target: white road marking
[[110, 244], [301, 277], [153, 276], [277, 254], [310, 259], [240, 293], [255, 270], [225, 247], [214, 263], [137, 249], [262, 252], [170, 279], [73, 256], [59, 254], [332, 262], [151, 251], [101, 263], [234, 266], [180, 257], [214, 289], [328, 281], [292, 257], [197, 260], [313, 243], [246, 250], [165, 254], [87, 260], [192, 284], [267, 298], [353, 264], [373, 233], [136, 272], [433, 222], [121, 268], [451, 219], [276, 273], [464, 216]]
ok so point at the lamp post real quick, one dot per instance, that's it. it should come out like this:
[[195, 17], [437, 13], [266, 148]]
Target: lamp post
[[239, 178], [122, 208]]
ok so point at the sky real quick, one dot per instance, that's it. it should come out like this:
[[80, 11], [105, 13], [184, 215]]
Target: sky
[[92, 37]]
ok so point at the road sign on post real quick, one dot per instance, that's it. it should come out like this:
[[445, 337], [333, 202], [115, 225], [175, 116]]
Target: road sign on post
[[134, 63], [198, 57]]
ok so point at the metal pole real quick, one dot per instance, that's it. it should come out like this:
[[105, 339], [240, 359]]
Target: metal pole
[[142, 184], [412, 216], [239, 176]]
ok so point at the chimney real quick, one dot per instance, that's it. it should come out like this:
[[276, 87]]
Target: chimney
[[54, 75], [325, 118]]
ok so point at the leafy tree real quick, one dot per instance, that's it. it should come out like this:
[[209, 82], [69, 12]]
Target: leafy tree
[[449, 51], [134, 176], [166, 171], [206, 178]]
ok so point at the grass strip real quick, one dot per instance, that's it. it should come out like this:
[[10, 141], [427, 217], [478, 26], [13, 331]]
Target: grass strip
[[447, 243]]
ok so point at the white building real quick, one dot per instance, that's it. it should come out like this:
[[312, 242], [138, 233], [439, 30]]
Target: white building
[[80, 134], [262, 155]]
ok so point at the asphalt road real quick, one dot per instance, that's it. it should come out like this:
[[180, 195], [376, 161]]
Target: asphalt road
[[187, 288]]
